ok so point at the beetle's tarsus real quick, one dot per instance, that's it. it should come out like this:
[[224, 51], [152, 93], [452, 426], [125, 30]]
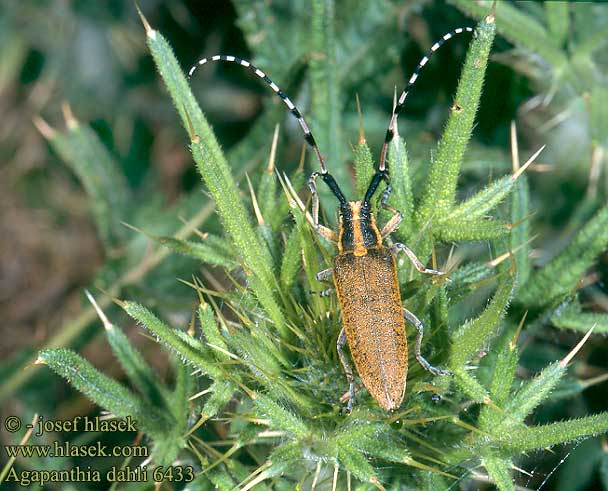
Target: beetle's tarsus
[[323, 275], [417, 349], [398, 247]]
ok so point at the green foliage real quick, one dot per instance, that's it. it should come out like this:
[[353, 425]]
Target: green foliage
[[255, 401]]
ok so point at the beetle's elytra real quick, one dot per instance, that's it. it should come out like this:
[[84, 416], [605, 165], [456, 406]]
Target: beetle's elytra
[[364, 271]]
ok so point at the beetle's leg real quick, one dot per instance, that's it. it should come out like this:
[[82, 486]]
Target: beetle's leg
[[323, 275], [425, 364], [324, 293], [415, 261], [393, 223], [324, 231], [348, 370]]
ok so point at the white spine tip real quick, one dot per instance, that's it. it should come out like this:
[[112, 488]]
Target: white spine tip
[[568, 358]]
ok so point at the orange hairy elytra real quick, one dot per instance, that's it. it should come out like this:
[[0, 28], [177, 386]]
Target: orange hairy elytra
[[368, 293]]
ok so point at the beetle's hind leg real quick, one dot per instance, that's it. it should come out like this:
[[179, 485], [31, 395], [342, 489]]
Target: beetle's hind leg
[[348, 370], [415, 261], [417, 349]]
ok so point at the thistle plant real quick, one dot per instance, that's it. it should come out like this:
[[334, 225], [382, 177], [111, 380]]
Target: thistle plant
[[258, 401]]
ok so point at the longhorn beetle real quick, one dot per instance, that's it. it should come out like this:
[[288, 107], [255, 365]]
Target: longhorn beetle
[[365, 271]]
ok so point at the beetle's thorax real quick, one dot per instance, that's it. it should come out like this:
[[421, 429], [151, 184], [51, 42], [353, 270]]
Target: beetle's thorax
[[357, 229]]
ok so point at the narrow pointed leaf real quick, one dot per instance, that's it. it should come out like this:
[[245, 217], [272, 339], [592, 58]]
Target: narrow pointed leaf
[[326, 107], [364, 168], [209, 326], [520, 233], [221, 393], [101, 177], [102, 390], [560, 276], [539, 437], [356, 464], [484, 201], [291, 261], [475, 334], [180, 400], [521, 29], [573, 317], [440, 189], [459, 230], [137, 369], [402, 196], [532, 393], [499, 471], [189, 349], [500, 386], [207, 251], [281, 417], [216, 174]]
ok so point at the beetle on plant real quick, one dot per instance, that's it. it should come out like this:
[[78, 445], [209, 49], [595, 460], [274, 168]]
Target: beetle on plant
[[364, 270]]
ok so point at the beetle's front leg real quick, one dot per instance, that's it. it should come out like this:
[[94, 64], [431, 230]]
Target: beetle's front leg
[[325, 274], [324, 231], [417, 349], [415, 261], [393, 223], [348, 370]]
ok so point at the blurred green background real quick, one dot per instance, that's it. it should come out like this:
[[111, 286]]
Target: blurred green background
[[88, 60]]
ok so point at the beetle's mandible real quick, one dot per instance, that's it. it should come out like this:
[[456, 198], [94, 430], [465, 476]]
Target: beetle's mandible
[[364, 272]]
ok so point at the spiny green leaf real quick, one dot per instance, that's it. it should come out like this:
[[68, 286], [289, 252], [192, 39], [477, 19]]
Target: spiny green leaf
[[217, 176], [326, 105], [281, 417], [292, 255], [520, 233], [210, 328], [500, 385], [139, 372], [475, 334], [101, 177], [470, 385], [402, 196], [180, 400], [573, 317], [459, 230], [356, 464], [189, 349], [560, 276], [364, 167], [521, 29], [102, 390], [499, 471], [539, 437], [221, 393], [239, 228], [440, 189], [558, 21], [480, 204], [209, 251], [532, 393]]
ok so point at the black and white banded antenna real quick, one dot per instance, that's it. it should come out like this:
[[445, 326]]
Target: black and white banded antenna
[[308, 136], [390, 132]]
